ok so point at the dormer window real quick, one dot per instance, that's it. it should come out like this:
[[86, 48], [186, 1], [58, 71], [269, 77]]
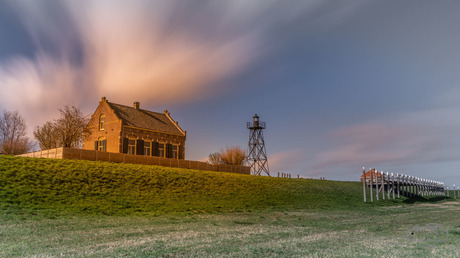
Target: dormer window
[[101, 122]]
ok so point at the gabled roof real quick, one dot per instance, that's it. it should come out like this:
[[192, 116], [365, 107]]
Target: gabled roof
[[144, 119]]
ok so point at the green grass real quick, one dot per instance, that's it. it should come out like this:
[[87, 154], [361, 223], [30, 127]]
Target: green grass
[[379, 232], [83, 208], [31, 185]]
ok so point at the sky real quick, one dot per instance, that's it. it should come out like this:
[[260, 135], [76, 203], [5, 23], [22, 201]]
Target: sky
[[341, 85]]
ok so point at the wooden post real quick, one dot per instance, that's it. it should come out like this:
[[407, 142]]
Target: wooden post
[[427, 187], [431, 187], [364, 183], [382, 174], [454, 193], [377, 184], [397, 178], [372, 185], [393, 184], [388, 186], [422, 183], [412, 184], [404, 183]]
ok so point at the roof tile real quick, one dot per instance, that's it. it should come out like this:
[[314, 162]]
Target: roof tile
[[144, 119]]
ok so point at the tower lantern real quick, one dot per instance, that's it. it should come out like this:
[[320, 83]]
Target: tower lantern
[[257, 155], [255, 120]]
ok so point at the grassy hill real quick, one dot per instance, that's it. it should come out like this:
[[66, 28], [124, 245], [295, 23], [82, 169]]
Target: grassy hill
[[33, 185]]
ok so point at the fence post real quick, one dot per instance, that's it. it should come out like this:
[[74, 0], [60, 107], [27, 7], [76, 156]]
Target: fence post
[[404, 181], [382, 175], [422, 183], [412, 179], [410, 185], [393, 184], [372, 185], [455, 197], [377, 184], [388, 185], [364, 183]]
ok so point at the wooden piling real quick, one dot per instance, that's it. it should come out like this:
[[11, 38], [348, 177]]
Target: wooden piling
[[388, 186], [382, 176], [455, 197], [364, 183], [377, 184], [372, 186], [393, 184]]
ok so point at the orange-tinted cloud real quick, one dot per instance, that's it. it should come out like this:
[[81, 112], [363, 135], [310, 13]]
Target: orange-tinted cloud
[[123, 50]]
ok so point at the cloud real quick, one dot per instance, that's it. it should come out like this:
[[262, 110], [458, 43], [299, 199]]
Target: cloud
[[158, 52], [406, 139], [125, 51], [285, 161]]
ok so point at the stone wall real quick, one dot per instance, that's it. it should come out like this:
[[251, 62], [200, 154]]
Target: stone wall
[[81, 154]]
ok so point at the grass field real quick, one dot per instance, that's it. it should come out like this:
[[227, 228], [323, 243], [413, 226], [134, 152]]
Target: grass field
[[77, 208], [85, 187], [378, 232]]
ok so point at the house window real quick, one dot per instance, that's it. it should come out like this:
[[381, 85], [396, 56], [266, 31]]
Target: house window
[[175, 149], [101, 144], [101, 122], [147, 148], [132, 146], [161, 150]]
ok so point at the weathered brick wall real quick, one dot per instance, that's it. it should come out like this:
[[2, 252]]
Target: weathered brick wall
[[111, 132], [114, 132], [81, 154], [152, 136]]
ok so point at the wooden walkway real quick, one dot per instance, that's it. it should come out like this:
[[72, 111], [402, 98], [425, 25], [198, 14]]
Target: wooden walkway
[[391, 186]]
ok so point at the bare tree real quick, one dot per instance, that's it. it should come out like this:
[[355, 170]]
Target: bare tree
[[215, 158], [13, 130], [233, 155], [67, 131], [72, 127], [47, 136]]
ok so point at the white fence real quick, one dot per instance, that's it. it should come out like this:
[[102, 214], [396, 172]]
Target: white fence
[[391, 186]]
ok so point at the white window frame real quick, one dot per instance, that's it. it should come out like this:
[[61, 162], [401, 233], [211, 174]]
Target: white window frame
[[101, 122], [132, 148], [175, 151], [162, 150], [147, 147]]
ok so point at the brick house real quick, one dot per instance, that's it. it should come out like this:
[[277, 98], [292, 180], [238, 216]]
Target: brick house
[[132, 130]]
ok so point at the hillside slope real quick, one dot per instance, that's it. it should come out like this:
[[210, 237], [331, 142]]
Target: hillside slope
[[70, 186]]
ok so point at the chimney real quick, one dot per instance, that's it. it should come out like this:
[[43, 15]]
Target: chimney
[[136, 105], [103, 99]]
